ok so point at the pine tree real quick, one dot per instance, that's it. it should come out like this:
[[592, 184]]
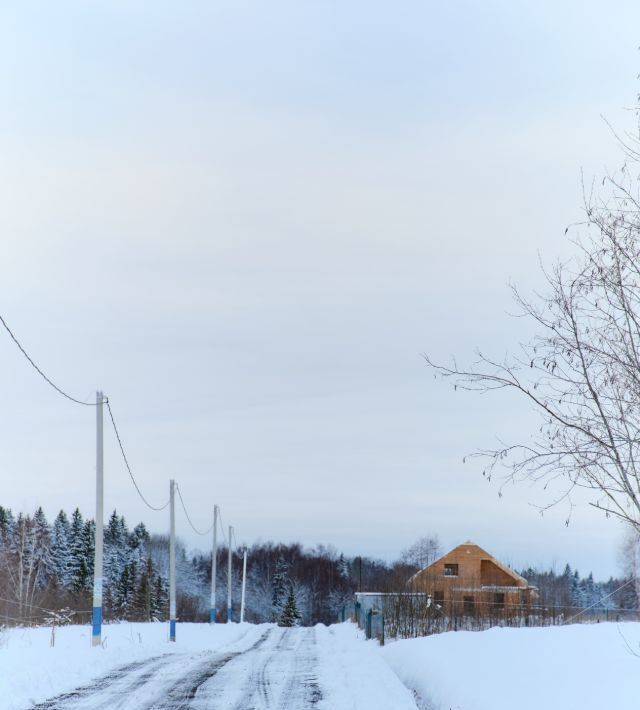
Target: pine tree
[[290, 615], [117, 555], [60, 550], [79, 570], [590, 593], [279, 587], [89, 544], [577, 598], [7, 523], [343, 567], [159, 599], [125, 591], [42, 548]]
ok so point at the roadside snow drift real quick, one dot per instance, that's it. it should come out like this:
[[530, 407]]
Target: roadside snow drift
[[579, 667]]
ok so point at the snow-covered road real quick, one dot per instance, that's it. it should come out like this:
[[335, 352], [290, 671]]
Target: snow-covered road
[[266, 668]]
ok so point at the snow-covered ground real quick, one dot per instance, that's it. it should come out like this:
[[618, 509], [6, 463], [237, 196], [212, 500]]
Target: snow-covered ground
[[225, 667], [578, 667], [31, 671]]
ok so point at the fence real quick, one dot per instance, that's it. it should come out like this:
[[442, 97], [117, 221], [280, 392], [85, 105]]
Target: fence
[[407, 615], [370, 620]]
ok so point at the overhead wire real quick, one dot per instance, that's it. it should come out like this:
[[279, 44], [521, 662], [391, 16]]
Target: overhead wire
[[40, 372], [622, 586], [117, 433], [184, 507], [126, 461], [86, 404]]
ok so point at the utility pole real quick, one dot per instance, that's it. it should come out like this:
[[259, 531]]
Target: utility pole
[[172, 562], [229, 610], [244, 584], [96, 634], [214, 559]]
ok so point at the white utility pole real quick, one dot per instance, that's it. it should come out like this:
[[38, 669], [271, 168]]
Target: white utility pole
[[244, 584], [214, 556], [229, 610], [172, 562], [96, 635]]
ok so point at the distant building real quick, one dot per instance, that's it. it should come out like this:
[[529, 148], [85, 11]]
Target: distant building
[[468, 580]]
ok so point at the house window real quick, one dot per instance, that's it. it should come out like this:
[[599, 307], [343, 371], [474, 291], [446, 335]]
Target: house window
[[468, 605], [498, 601], [451, 570], [438, 598]]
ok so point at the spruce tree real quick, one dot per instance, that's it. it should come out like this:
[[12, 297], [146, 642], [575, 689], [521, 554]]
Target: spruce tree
[[343, 567], [117, 555], [159, 599], [89, 544], [41, 548], [60, 550], [78, 569], [7, 523], [290, 615], [279, 587], [125, 591]]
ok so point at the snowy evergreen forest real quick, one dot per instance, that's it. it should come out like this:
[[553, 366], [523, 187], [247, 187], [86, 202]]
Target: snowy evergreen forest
[[568, 590], [49, 566]]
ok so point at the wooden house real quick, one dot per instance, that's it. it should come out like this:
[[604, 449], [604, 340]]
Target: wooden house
[[468, 580]]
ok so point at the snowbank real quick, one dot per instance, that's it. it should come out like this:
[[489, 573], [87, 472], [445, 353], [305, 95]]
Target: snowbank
[[31, 671], [582, 667], [353, 676]]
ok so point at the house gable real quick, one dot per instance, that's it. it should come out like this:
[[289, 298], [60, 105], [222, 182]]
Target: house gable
[[467, 565]]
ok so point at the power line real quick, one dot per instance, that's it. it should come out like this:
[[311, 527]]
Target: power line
[[184, 507], [622, 586], [124, 456], [40, 372]]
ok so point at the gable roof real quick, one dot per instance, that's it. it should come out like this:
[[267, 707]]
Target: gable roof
[[522, 582]]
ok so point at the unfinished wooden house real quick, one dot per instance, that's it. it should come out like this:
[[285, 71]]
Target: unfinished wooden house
[[469, 581]]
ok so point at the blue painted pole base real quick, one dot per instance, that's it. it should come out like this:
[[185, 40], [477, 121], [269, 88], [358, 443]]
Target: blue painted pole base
[[212, 616], [172, 630], [229, 614], [96, 632]]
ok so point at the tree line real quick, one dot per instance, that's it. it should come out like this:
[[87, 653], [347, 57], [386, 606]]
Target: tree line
[[49, 566]]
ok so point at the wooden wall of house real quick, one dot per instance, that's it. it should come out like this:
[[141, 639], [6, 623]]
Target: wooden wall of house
[[475, 569]]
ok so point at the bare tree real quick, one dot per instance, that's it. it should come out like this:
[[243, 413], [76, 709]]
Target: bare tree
[[422, 553], [581, 371], [630, 558]]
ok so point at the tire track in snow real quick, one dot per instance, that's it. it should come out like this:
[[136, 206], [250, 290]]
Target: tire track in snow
[[183, 693], [279, 675], [302, 689], [123, 687], [127, 675]]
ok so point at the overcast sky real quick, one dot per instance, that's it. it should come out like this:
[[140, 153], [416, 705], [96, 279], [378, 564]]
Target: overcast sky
[[245, 222]]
